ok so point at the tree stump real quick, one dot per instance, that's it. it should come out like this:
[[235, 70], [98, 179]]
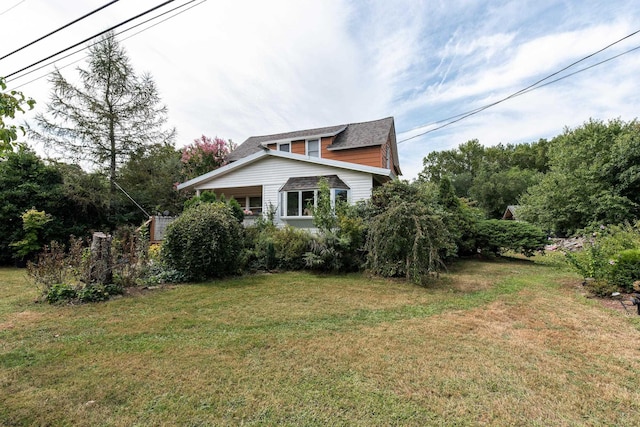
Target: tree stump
[[101, 268]]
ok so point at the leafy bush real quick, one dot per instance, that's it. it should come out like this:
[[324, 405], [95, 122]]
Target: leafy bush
[[600, 257], [60, 292], [625, 269], [204, 242], [407, 240], [277, 248], [496, 235]]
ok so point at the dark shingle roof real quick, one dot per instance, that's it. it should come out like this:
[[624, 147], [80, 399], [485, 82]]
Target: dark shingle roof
[[363, 134], [351, 135], [311, 183]]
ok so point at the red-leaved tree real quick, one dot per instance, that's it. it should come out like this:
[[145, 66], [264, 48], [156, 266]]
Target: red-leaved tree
[[205, 155]]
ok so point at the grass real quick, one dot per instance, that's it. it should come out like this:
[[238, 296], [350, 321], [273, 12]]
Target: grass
[[493, 343]]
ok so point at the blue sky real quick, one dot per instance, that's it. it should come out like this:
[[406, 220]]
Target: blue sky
[[241, 68]]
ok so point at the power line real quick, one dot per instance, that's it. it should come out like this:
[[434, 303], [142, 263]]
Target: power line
[[59, 29], [459, 117], [92, 37], [15, 5], [116, 34]]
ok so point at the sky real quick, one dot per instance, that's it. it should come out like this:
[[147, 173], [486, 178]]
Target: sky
[[234, 69]]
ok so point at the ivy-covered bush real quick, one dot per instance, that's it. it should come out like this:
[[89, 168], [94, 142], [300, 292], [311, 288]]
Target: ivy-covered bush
[[496, 236], [204, 242]]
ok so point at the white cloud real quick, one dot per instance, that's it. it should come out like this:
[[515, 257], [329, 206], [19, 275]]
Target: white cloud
[[236, 69]]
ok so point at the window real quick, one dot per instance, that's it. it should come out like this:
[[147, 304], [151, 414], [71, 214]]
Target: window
[[251, 205], [284, 147], [299, 195], [388, 157], [340, 195], [255, 205], [293, 203], [313, 148]]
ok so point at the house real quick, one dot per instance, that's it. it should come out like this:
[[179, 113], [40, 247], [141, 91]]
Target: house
[[282, 171], [511, 212]]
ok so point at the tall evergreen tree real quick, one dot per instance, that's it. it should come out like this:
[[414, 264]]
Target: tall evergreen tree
[[109, 116]]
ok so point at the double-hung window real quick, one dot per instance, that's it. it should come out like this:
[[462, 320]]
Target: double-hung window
[[313, 147]]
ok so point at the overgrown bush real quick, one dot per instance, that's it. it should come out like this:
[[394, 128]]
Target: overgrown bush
[[204, 242], [407, 240], [496, 236], [338, 246], [625, 269], [599, 259], [271, 248]]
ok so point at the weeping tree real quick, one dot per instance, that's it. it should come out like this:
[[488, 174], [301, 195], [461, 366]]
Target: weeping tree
[[110, 115]]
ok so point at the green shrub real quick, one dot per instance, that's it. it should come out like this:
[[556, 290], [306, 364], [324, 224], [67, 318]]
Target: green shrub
[[599, 259], [496, 236], [289, 247], [407, 240], [277, 248], [60, 292], [204, 242], [625, 269], [97, 292], [601, 288]]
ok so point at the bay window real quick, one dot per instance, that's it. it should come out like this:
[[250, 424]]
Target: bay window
[[299, 196]]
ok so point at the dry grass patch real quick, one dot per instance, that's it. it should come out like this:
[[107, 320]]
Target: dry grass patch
[[495, 343]]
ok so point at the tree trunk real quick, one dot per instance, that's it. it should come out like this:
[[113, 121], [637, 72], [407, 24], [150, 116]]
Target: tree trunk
[[101, 268]]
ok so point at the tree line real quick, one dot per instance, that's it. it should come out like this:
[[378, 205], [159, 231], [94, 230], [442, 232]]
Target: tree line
[[586, 176]]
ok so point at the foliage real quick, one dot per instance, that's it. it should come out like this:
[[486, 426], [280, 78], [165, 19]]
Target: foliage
[[11, 103], [204, 155], [61, 292], [33, 222], [340, 240], [62, 275], [149, 177], [601, 257], [324, 214], [493, 177], [27, 182], [110, 116], [204, 242], [593, 178], [210, 197], [277, 248], [459, 218], [407, 235], [625, 269], [407, 240], [496, 236]]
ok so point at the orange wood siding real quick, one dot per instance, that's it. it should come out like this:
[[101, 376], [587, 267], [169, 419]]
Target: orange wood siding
[[272, 146], [368, 156], [298, 147]]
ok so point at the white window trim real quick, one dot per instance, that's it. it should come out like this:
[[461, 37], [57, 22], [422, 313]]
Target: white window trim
[[284, 206], [306, 146], [284, 143]]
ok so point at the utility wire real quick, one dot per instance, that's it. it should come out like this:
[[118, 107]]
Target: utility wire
[[92, 37], [95, 43], [15, 5], [59, 29], [527, 89]]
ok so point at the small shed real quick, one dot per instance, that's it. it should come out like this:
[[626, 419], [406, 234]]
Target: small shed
[[511, 213]]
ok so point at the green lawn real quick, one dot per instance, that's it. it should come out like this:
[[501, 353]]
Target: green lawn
[[494, 343]]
